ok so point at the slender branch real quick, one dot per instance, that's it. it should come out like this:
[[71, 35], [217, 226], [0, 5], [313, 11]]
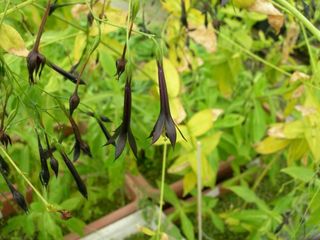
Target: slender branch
[[199, 190], [16, 7], [41, 28]]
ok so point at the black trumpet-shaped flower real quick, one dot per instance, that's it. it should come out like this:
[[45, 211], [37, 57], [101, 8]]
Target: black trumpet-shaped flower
[[35, 63], [4, 167], [79, 144], [80, 184], [165, 123], [123, 132], [44, 172], [100, 120], [74, 101], [17, 196], [53, 162], [121, 66], [5, 138], [68, 75]]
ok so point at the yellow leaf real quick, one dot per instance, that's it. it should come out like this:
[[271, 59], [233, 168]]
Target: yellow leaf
[[208, 144], [181, 163], [296, 150], [177, 111], [189, 182], [275, 17], [271, 145], [243, 3], [80, 42], [205, 36], [207, 173], [202, 121], [11, 41]]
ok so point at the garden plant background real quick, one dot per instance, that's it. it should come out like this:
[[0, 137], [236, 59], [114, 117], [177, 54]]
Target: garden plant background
[[92, 90]]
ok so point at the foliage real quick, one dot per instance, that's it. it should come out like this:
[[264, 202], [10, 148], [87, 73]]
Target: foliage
[[230, 80]]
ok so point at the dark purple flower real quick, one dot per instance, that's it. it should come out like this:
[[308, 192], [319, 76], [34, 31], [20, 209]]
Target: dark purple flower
[[74, 101], [17, 196], [165, 123], [79, 143], [53, 162], [44, 172], [80, 184], [100, 120], [4, 167], [5, 138], [35, 63], [123, 132]]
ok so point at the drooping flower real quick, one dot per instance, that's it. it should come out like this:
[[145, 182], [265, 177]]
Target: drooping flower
[[79, 143], [123, 132], [100, 120], [35, 63], [80, 184], [165, 123], [53, 162], [44, 172], [5, 138], [17, 196]]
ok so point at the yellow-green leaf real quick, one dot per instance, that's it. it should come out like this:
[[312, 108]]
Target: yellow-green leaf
[[80, 42], [202, 121], [271, 145], [189, 182], [11, 41], [210, 143]]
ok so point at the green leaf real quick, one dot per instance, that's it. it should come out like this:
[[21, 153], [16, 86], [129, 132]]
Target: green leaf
[[71, 203], [249, 196], [11, 41], [301, 173], [187, 226], [76, 225], [202, 121], [170, 196]]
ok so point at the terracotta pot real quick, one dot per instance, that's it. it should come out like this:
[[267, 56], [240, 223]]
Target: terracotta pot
[[9, 207], [112, 217], [142, 186]]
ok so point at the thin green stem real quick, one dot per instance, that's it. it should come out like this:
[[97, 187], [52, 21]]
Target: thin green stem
[[5, 12], [254, 56], [199, 189], [163, 174], [16, 7], [301, 18], [48, 205], [312, 60]]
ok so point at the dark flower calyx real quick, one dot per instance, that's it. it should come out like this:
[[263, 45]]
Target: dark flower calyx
[[165, 123], [123, 132], [35, 63], [5, 138], [121, 66], [4, 167], [74, 102]]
